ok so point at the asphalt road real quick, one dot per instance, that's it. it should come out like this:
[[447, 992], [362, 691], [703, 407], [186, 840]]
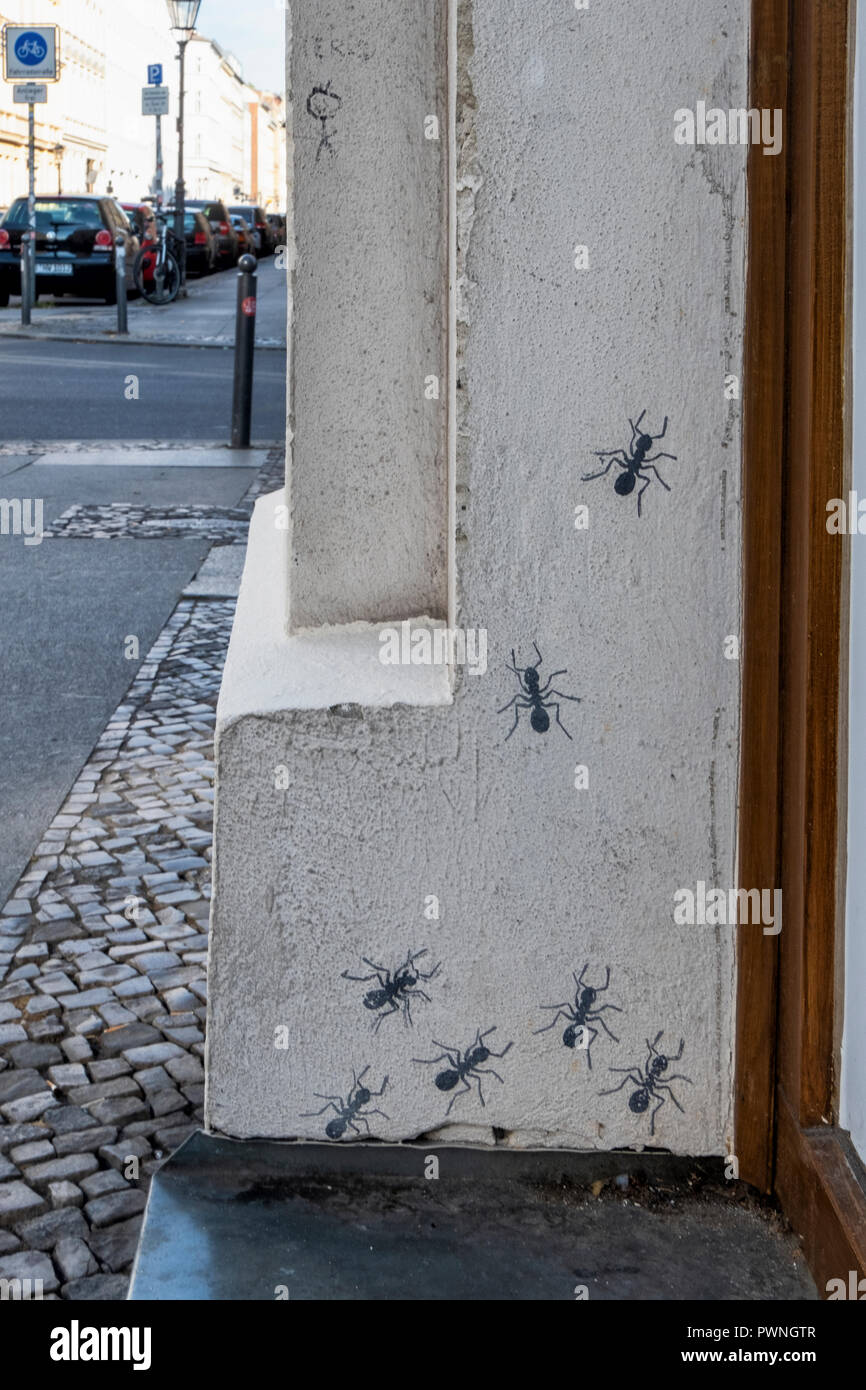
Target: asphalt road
[[54, 390]]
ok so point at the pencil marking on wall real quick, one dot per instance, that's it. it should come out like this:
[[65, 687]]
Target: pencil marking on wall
[[323, 105]]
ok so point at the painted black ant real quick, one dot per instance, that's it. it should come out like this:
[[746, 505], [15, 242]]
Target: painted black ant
[[635, 461], [648, 1081], [582, 1013], [397, 991], [348, 1110], [536, 697], [464, 1064]]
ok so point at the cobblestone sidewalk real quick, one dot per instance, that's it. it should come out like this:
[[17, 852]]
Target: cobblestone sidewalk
[[103, 956]]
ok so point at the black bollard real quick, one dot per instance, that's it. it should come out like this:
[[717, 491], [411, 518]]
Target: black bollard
[[120, 282], [245, 341]]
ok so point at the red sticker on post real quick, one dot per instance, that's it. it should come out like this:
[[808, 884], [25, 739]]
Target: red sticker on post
[[249, 306]]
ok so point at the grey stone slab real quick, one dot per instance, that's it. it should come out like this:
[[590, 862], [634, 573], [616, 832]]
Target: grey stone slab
[[119, 1110], [84, 1140], [33, 1151], [115, 1246], [130, 1036], [29, 1265], [106, 1180], [118, 1155], [43, 1232], [74, 1259], [17, 1201], [65, 1194], [11, 1135], [153, 1054], [68, 1118], [105, 1288], [102, 1090], [70, 1168], [24, 1082], [115, 1206], [27, 1108]]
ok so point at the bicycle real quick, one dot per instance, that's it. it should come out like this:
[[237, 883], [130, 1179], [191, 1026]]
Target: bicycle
[[156, 271]]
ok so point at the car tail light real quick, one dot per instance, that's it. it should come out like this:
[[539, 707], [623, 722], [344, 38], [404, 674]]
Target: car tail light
[[200, 239], [4, 239], [103, 239], [225, 228]]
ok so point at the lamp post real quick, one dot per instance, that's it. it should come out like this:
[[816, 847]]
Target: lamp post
[[58, 152], [182, 16]]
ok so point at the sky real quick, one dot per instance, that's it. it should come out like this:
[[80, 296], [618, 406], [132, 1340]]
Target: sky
[[253, 32]]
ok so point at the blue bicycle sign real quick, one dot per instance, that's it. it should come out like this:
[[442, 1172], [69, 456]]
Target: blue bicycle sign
[[30, 52], [30, 48]]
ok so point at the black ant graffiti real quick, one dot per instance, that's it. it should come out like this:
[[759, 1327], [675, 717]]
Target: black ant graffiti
[[323, 105], [648, 1081], [348, 1111], [636, 462], [396, 990], [536, 697], [464, 1065], [582, 1013]]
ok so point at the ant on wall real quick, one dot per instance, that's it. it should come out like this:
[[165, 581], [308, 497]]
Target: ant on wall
[[636, 462], [582, 1013], [348, 1110], [397, 990], [536, 697], [648, 1081], [464, 1065]]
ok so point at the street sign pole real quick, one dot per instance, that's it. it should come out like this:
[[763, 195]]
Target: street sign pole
[[28, 261], [159, 174]]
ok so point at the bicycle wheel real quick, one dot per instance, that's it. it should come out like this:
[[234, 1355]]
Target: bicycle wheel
[[164, 283]]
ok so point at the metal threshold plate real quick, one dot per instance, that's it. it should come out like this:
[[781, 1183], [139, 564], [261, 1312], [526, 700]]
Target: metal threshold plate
[[241, 1220]]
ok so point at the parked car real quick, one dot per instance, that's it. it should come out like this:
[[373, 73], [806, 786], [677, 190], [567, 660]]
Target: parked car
[[255, 216], [202, 255], [220, 222], [75, 246], [249, 241]]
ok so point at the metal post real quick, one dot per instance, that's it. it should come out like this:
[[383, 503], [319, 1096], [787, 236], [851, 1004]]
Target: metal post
[[120, 282], [245, 342], [28, 248], [157, 189], [179, 191]]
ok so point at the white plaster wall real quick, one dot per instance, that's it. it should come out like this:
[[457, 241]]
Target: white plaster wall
[[566, 137], [853, 1091]]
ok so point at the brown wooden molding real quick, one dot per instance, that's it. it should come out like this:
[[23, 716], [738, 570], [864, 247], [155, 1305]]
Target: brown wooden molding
[[763, 485]]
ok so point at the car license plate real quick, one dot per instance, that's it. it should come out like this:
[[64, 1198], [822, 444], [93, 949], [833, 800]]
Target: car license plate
[[53, 268]]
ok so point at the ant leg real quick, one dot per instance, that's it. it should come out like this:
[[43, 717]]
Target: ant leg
[[578, 979], [653, 469], [505, 1049], [538, 653], [671, 1096], [431, 974], [560, 696], [664, 429], [680, 1053], [305, 1114], [499, 711], [380, 969], [607, 453], [630, 1077], [381, 1090], [653, 1116], [564, 1012], [359, 979], [466, 1087], [641, 493], [431, 1061], [596, 1018], [634, 427], [488, 1071], [395, 1008], [651, 1046], [677, 1077], [374, 1112], [544, 689], [654, 457], [559, 721], [600, 988]]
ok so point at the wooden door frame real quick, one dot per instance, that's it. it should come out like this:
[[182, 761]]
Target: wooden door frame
[[792, 830]]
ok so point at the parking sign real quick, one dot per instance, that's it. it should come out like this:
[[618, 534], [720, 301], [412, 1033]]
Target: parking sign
[[30, 52], [154, 74]]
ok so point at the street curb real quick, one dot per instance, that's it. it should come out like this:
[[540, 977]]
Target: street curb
[[129, 340]]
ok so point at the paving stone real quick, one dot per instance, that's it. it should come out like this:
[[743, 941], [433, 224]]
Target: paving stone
[[180, 1000], [153, 1054], [166, 1101], [9, 1013], [131, 1035], [25, 1082], [56, 984], [64, 1194], [12, 1135], [46, 1029], [31, 1265], [27, 1108], [106, 975], [24, 972], [58, 931], [85, 1022], [43, 1232], [41, 1004], [17, 1201], [101, 1090], [106, 1288], [108, 1068], [184, 1037], [69, 1075], [69, 1118], [115, 1015], [71, 1168], [131, 989], [115, 1246], [29, 1056], [118, 1110], [32, 1151], [106, 1180], [115, 1206], [171, 1137], [8, 1242], [84, 1140], [185, 1068], [74, 1259], [90, 999], [77, 1049], [11, 1033], [9, 1167], [118, 1155], [153, 1078], [168, 979]]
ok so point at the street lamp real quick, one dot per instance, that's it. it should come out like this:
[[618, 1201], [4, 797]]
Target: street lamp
[[58, 153], [182, 17]]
